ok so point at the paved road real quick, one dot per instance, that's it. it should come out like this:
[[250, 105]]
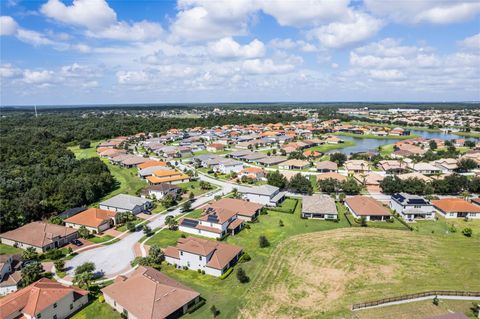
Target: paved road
[[115, 258]]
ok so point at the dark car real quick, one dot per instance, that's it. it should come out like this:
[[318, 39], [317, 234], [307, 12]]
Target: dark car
[[76, 242]]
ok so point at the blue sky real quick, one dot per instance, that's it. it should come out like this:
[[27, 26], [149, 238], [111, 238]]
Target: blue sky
[[98, 51]]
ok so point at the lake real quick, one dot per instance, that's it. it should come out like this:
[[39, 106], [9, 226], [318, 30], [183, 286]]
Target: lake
[[368, 144]]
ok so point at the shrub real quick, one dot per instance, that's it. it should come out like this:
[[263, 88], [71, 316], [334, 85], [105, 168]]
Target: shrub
[[199, 304], [245, 257], [101, 299], [467, 232], [280, 223], [215, 312], [226, 274], [436, 301], [54, 254], [131, 227], [84, 144], [242, 276], [263, 241]]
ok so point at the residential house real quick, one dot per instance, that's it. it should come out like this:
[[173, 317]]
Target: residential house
[[215, 147], [356, 166], [228, 166], [71, 212], [367, 207], [95, 220], [45, 299], [271, 160], [151, 164], [312, 153], [412, 207], [414, 175], [456, 208], [213, 257], [294, 164], [265, 194], [446, 165], [126, 203], [319, 206], [169, 176], [476, 201], [247, 211], [255, 173], [149, 294], [145, 172], [371, 180], [333, 175], [161, 190], [254, 156], [425, 168], [239, 154], [41, 236], [392, 166], [10, 274], [327, 167]]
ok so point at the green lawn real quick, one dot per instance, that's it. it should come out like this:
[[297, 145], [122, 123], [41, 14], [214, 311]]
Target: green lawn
[[100, 240], [228, 295], [372, 136], [97, 309], [468, 134], [194, 186], [8, 250], [387, 149], [135, 222], [442, 227], [328, 147]]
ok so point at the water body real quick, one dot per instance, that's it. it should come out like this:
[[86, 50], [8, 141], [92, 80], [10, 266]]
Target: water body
[[369, 144]]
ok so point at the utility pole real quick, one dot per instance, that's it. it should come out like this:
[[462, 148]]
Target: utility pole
[[36, 114]]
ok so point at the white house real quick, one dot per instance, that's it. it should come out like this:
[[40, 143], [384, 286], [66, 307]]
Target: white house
[[10, 274], [126, 203], [214, 223], [412, 207], [210, 256], [228, 166], [456, 208], [319, 206], [265, 194]]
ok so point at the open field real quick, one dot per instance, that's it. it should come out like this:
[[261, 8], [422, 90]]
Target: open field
[[418, 310], [443, 227], [328, 147], [387, 149], [418, 128], [228, 295], [468, 134], [320, 275]]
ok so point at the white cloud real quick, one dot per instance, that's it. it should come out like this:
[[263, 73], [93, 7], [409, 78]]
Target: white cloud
[[429, 11], [8, 26], [132, 77], [387, 75], [38, 77], [471, 43], [91, 14], [267, 66], [229, 48], [100, 20], [9, 71], [33, 37], [359, 27]]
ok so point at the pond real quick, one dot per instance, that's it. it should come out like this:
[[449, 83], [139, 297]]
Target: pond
[[367, 144]]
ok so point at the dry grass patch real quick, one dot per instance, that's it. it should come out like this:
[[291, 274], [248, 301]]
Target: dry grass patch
[[319, 275]]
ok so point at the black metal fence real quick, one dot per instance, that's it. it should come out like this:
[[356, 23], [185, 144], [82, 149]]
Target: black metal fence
[[415, 296]]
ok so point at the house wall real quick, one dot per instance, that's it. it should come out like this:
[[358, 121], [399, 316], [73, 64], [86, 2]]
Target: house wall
[[7, 289], [455, 214], [65, 307], [60, 240], [92, 230], [6, 269], [230, 169], [397, 207], [260, 199], [193, 262], [318, 215], [200, 232], [116, 306]]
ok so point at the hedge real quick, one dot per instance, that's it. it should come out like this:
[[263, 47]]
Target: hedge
[[285, 210], [196, 306], [226, 274]]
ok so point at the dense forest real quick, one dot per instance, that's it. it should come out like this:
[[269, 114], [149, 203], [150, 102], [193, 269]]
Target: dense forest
[[40, 176]]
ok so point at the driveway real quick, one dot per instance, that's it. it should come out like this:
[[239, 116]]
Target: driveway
[[115, 259]]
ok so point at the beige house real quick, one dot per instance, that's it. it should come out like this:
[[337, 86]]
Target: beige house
[[40, 235], [94, 219]]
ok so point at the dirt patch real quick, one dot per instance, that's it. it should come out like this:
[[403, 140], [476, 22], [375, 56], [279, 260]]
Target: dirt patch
[[321, 272]]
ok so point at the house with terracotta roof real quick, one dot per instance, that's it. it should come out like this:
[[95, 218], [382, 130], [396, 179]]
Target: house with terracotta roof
[[10, 273], [215, 147], [319, 206], [222, 217], [44, 298], [327, 167], [456, 208], [294, 164], [336, 176], [213, 257], [170, 176], [149, 294], [41, 236], [151, 164], [356, 166], [255, 173], [364, 206], [95, 220]]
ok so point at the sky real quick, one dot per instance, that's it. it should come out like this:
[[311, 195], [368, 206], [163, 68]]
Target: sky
[[57, 52]]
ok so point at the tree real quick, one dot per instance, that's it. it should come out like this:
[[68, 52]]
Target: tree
[[171, 223], [297, 155], [30, 254], [235, 193], [131, 227], [205, 185], [276, 179], [263, 241], [467, 164], [168, 201], [186, 206], [83, 232], [84, 274], [55, 220], [59, 265], [467, 232], [147, 231], [328, 185], [433, 145], [84, 144], [156, 254], [338, 158], [350, 187], [191, 196], [469, 144], [300, 184], [363, 221], [31, 273], [242, 276], [215, 312]]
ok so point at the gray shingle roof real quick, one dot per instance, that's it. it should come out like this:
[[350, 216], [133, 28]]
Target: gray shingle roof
[[125, 201]]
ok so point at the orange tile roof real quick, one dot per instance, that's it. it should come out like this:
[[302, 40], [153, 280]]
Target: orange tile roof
[[151, 164], [158, 180], [239, 206], [453, 205], [166, 172], [36, 297], [332, 175], [92, 217], [252, 170], [366, 206]]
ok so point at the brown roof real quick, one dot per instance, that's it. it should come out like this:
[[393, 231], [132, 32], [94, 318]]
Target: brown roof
[[38, 234], [92, 217], [337, 176], [36, 297], [452, 205], [235, 224], [148, 293], [222, 253], [151, 164], [476, 201], [366, 206], [327, 165], [222, 214], [238, 206]]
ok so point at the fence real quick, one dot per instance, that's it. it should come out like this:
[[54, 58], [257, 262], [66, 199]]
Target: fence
[[415, 296]]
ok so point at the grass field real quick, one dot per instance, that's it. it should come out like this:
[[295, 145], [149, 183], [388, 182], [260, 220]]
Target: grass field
[[387, 149], [194, 186], [328, 147], [7, 250], [320, 275], [468, 134], [229, 295], [100, 240], [443, 227], [418, 310], [97, 309]]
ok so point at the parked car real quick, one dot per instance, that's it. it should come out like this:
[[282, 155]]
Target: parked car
[[76, 242]]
